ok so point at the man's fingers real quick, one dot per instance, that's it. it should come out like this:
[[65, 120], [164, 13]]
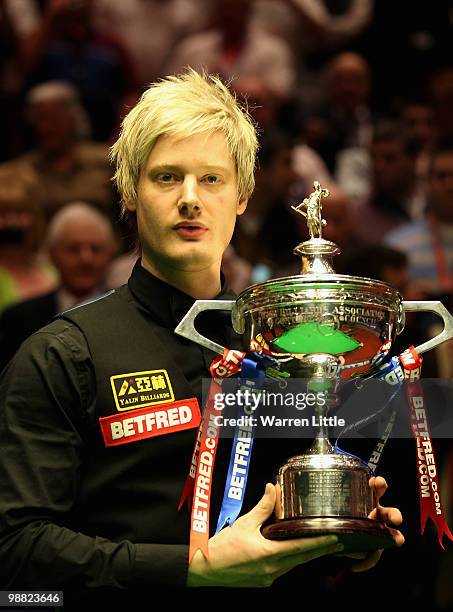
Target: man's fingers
[[294, 560], [313, 548], [390, 515], [357, 555], [387, 515], [306, 546], [379, 485], [369, 562], [397, 536]]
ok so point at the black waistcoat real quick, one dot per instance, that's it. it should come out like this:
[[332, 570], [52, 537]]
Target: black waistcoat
[[132, 491]]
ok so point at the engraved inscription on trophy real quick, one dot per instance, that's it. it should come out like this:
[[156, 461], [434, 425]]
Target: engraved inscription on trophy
[[327, 493]]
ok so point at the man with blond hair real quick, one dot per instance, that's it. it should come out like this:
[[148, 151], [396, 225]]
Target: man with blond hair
[[92, 487]]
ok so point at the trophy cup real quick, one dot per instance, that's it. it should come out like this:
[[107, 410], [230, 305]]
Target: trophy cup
[[325, 327]]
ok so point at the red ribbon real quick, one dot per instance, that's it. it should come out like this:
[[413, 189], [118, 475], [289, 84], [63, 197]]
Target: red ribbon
[[428, 481], [197, 488]]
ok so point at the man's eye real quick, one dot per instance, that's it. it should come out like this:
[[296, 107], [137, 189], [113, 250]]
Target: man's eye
[[212, 179], [166, 177]]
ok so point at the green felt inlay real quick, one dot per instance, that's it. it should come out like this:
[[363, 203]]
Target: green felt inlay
[[317, 386], [315, 338]]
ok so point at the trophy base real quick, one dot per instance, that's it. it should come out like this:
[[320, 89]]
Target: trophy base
[[356, 534]]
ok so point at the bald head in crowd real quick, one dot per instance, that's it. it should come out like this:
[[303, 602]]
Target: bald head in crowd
[[348, 81], [81, 245], [57, 116]]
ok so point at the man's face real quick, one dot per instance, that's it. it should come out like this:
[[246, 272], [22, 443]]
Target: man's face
[[187, 203], [81, 254], [419, 119], [54, 125], [349, 82], [392, 166], [441, 186]]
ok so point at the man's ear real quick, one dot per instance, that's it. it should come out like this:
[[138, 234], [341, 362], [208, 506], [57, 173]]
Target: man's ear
[[242, 205]]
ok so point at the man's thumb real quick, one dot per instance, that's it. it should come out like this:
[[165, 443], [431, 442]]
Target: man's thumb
[[263, 508]]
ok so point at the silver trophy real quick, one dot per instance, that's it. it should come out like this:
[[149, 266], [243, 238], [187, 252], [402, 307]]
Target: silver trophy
[[325, 327]]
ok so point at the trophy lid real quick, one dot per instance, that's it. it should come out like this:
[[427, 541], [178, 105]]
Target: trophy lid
[[316, 253]]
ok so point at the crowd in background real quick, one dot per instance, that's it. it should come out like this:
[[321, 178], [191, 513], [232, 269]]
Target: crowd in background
[[342, 92]]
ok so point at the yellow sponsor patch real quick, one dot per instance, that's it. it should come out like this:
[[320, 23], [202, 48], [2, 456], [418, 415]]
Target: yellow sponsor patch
[[139, 389]]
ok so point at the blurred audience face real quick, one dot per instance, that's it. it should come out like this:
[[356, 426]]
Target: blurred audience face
[[21, 219], [261, 102], [441, 186], [419, 121], [348, 81], [54, 126], [397, 276], [393, 168], [441, 90], [277, 176], [81, 252]]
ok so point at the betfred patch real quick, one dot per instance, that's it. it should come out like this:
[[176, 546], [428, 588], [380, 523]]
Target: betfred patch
[[139, 389], [150, 422]]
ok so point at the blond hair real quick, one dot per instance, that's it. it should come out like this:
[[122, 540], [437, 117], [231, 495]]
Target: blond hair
[[182, 106]]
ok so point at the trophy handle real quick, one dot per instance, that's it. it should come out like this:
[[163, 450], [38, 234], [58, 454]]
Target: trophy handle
[[186, 327], [439, 309]]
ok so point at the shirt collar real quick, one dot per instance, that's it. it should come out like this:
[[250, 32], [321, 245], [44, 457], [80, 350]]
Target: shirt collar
[[166, 303]]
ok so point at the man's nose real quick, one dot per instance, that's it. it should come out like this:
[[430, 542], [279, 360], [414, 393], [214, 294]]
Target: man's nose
[[86, 254], [189, 204]]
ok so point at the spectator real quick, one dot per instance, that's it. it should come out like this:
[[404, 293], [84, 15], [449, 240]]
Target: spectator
[[392, 266], [417, 117], [66, 166], [268, 213], [237, 271], [428, 242], [150, 30], [234, 48], [80, 244], [394, 196], [315, 24], [345, 119], [309, 167], [379, 262], [65, 46], [11, 81], [24, 273], [262, 103], [441, 92], [312, 30]]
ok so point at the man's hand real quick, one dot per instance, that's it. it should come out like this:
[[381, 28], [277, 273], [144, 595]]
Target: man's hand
[[390, 516], [240, 556]]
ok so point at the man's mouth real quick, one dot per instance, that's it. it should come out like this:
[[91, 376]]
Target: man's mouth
[[189, 230]]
